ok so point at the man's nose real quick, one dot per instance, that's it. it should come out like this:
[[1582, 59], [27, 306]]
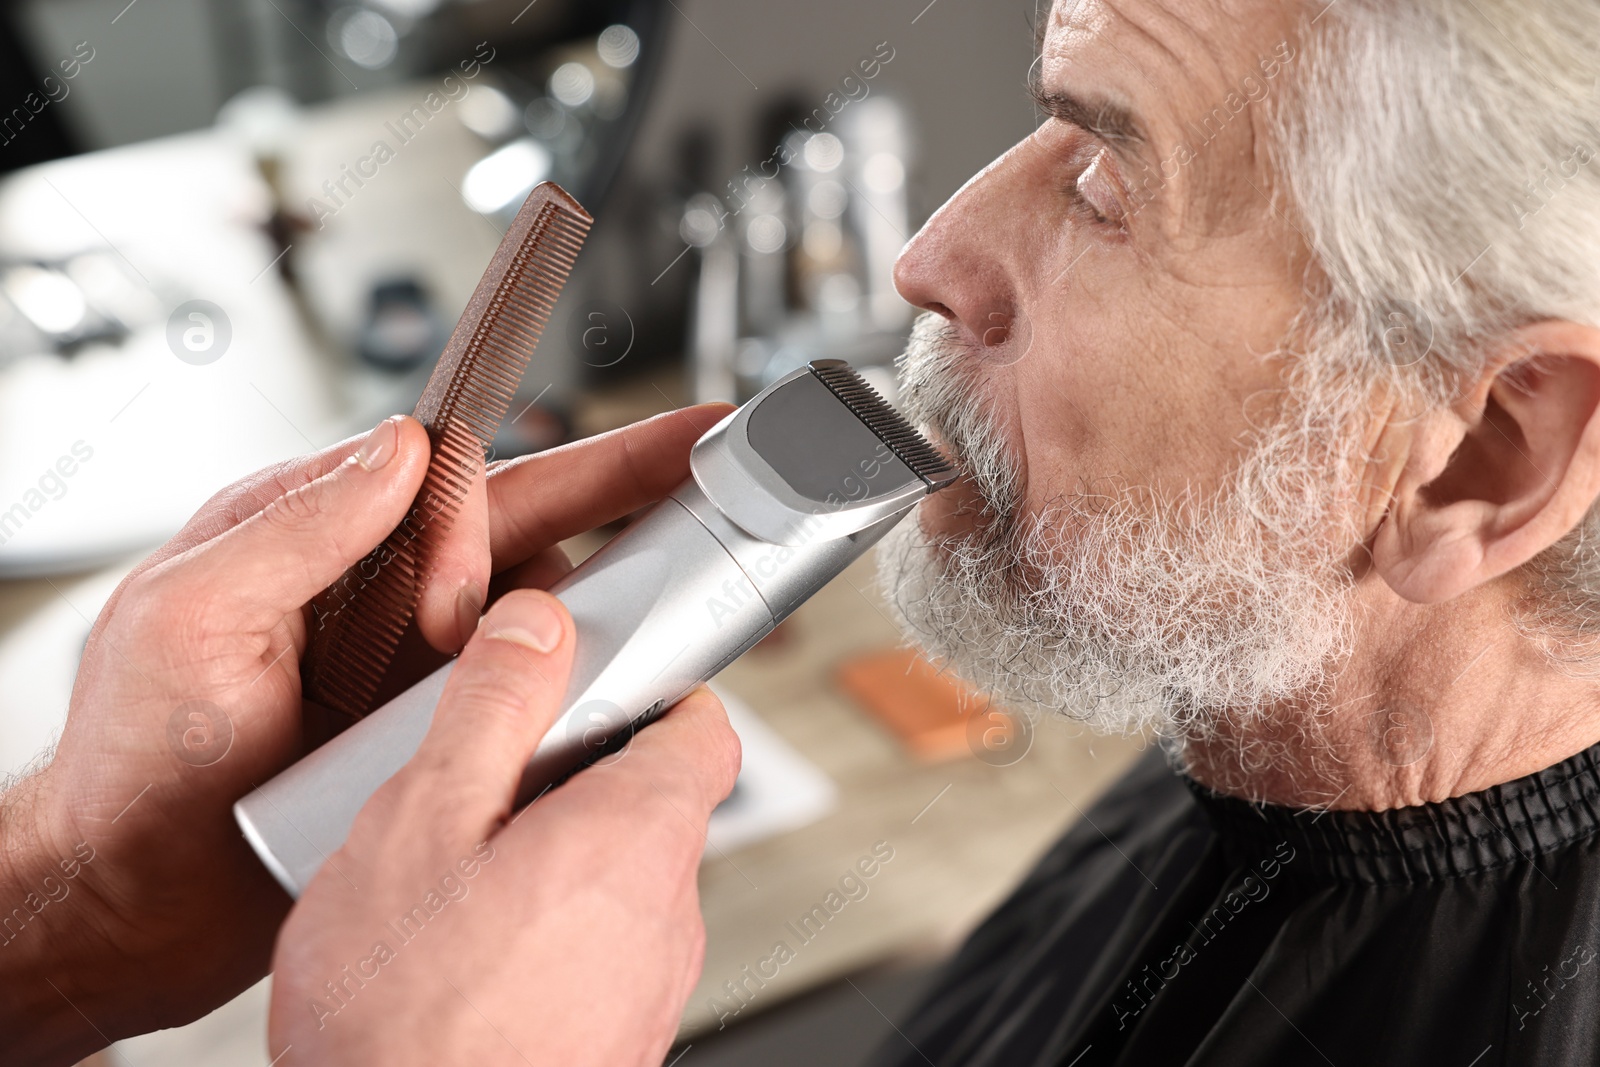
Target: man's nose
[[957, 264]]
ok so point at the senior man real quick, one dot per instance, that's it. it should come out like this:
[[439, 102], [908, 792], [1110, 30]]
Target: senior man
[[1273, 358]]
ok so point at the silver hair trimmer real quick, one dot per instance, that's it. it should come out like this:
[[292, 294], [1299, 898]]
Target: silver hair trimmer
[[786, 492]]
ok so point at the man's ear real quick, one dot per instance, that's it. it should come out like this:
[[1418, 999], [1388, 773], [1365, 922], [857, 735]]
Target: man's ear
[[1503, 474]]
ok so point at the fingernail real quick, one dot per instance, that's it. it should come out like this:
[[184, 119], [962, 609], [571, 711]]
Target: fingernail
[[469, 609], [533, 624], [380, 446]]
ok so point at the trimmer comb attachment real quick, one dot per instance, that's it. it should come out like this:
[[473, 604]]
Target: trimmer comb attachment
[[358, 621]]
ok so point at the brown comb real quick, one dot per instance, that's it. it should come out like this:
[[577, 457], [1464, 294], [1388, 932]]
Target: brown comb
[[359, 619]]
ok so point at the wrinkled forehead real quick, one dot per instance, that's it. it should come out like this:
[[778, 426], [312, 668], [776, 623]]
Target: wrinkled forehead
[[1195, 78]]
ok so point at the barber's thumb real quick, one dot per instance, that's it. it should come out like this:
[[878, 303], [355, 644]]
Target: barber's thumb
[[502, 695], [298, 545]]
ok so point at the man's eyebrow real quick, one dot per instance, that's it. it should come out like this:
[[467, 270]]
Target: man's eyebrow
[[1109, 121]]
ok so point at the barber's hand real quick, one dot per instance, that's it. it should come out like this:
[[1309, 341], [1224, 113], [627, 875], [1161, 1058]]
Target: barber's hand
[[188, 695], [441, 933]]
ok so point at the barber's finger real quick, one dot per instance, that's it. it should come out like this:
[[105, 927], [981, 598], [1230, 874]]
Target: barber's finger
[[545, 498], [458, 573], [501, 698], [229, 507], [687, 760], [691, 755], [288, 552]]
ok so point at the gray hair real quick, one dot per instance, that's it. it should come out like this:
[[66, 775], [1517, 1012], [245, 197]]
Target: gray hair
[[1442, 158]]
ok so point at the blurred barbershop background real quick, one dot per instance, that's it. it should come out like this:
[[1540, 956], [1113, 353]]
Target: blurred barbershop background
[[232, 231]]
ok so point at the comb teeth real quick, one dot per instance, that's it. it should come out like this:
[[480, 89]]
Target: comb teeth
[[866, 404], [490, 367], [360, 618]]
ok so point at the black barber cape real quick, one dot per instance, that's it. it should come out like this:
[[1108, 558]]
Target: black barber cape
[[1177, 926]]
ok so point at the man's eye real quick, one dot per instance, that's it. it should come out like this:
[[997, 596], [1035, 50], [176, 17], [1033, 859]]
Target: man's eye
[[1096, 190]]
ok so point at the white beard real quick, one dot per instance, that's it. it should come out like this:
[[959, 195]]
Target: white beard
[[1127, 611]]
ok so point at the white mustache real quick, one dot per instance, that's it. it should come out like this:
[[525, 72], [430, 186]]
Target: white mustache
[[939, 396]]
